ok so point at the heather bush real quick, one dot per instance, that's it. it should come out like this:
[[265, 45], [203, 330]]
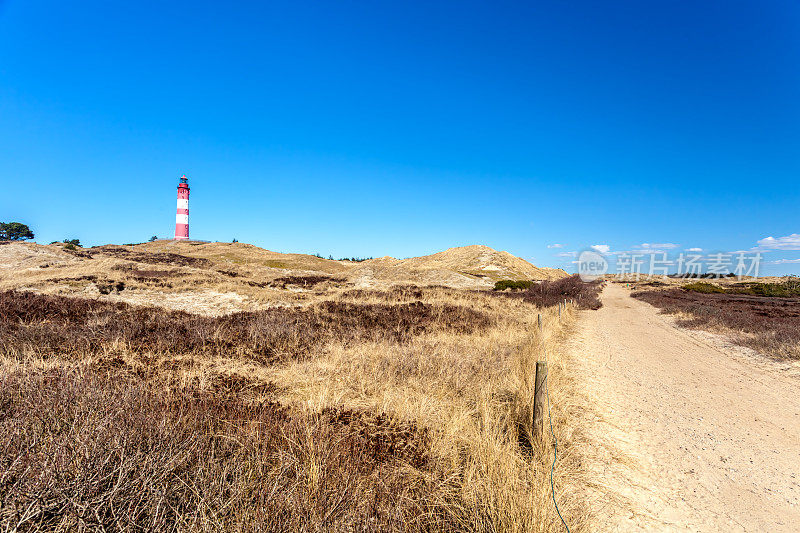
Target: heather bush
[[549, 293], [769, 325], [304, 281], [40, 324], [84, 450]]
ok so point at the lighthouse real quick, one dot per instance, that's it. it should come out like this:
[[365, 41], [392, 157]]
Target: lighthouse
[[182, 215]]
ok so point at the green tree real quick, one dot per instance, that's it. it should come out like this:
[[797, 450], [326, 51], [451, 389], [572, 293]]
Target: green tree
[[14, 231], [73, 242]]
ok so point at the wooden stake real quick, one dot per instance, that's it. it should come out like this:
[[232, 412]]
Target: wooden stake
[[539, 398], [540, 322]]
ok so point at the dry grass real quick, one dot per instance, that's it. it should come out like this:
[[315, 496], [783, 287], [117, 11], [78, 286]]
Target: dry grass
[[348, 410]]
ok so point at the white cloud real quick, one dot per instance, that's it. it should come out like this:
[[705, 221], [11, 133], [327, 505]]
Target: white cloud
[[694, 249], [784, 261], [567, 254], [602, 248], [789, 242], [555, 245], [657, 245]]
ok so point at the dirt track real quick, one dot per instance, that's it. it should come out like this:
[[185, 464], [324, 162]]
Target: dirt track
[[692, 436]]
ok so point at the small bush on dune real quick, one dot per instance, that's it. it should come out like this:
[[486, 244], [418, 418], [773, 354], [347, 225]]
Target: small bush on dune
[[703, 287], [512, 284]]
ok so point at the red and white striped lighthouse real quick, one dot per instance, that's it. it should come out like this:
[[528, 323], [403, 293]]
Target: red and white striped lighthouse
[[182, 216]]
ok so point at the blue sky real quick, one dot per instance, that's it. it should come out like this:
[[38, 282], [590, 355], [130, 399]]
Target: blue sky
[[375, 128]]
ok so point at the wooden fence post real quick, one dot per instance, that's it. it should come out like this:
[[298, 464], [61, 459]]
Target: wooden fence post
[[540, 322], [539, 398]]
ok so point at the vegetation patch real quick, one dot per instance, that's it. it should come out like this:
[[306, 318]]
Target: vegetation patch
[[89, 277], [162, 258], [407, 408], [788, 288], [767, 324], [515, 285], [82, 450], [42, 324], [276, 264], [402, 293], [145, 275], [304, 281], [548, 293], [110, 286], [105, 286], [73, 250], [703, 288]]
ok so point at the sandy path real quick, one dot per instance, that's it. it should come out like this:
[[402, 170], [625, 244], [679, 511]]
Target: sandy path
[[712, 438]]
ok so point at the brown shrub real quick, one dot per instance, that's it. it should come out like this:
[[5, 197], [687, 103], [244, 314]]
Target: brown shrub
[[82, 450], [401, 293], [304, 281], [90, 277], [771, 325], [161, 258], [71, 250], [41, 324], [104, 285], [145, 274]]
